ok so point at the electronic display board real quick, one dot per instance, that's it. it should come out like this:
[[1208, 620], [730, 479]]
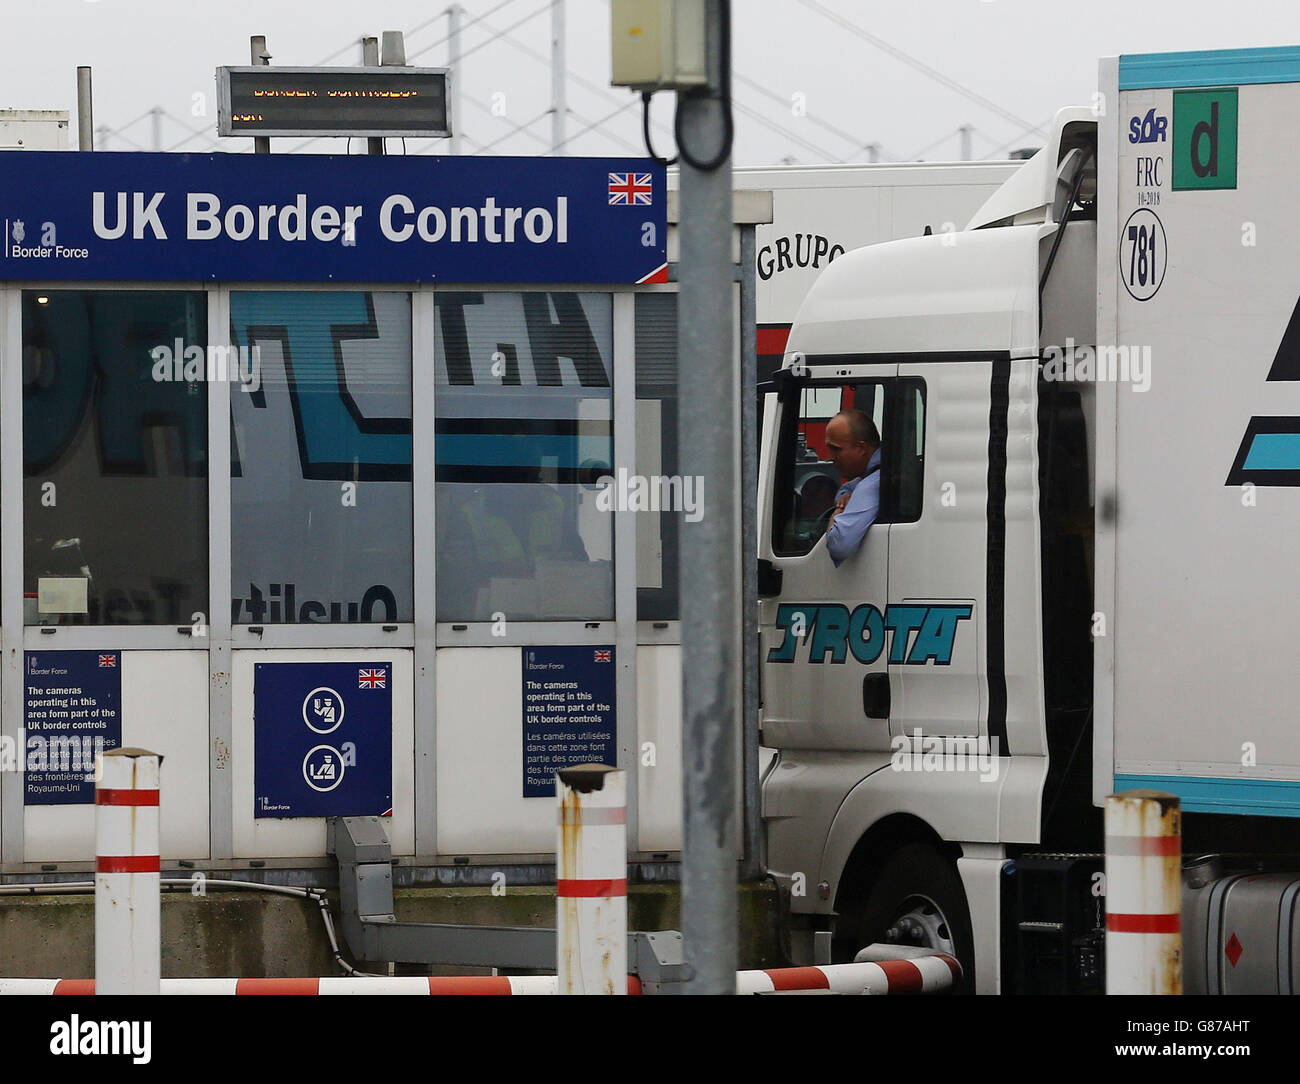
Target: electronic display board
[[385, 101]]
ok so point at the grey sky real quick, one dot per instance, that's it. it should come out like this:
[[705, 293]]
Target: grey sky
[[1029, 57]]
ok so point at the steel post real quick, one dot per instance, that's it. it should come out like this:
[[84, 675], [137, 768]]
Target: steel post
[[258, 56], [591, 880], [1144, 938], [453, 77], [127, 891], [85, 109], [710, 577], [559, 104]]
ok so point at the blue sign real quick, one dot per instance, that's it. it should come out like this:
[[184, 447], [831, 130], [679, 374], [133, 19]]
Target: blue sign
[[72, 713], [568, 713], [343, 218], [323, 739]]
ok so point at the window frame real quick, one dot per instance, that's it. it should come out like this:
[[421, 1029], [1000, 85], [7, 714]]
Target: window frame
[[37, 636], [895, 392], [285, 633]]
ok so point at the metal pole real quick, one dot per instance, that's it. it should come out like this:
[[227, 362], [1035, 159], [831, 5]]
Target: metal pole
[[127, 892], [873, 152], [1144, 852], [591, 880], [710, 581], [559, 105], [85, 109], [965, 131], [157, 114], [259, 56], [453, 76], [393, 51], [370, 59], [752, 850]]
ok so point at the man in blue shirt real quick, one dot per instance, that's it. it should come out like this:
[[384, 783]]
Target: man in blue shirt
[[854, 446]]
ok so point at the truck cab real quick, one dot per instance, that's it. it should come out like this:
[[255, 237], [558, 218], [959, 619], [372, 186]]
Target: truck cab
[[929, 698]]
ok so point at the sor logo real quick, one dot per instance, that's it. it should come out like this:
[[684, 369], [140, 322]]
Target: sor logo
[[1148, 129]]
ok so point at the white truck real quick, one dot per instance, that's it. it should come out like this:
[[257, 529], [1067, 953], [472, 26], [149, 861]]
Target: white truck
[[1090, 415], [819, 212]]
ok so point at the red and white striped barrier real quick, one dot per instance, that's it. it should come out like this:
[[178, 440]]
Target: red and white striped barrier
[[1144, 937], [922, 975], [400, 985], [127, 909], [591, 880]]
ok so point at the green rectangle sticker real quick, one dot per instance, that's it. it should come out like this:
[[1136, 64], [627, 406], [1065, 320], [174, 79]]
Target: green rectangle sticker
[[1205, 138]]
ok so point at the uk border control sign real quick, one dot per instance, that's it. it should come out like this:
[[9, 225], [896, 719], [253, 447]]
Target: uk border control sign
[[72, 712], [568, 712], [323, 739], [126, 216]]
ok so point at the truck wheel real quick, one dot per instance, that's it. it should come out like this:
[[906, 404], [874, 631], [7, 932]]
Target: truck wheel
[[917, 900]]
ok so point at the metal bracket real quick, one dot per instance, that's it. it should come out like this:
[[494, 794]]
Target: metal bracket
[[656, 959], [374, 935]]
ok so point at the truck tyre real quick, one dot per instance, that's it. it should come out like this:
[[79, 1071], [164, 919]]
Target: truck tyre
[[916, 899]]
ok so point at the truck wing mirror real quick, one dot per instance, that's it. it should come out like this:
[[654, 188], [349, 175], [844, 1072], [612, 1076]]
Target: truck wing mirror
[[1069, 178]]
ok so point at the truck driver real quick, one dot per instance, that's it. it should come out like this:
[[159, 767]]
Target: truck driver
[[853, 443]]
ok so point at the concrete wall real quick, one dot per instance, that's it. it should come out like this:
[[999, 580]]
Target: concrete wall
[[260, 935]]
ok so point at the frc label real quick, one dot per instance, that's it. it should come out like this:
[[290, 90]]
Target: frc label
[[1205, 138], [836, 631]]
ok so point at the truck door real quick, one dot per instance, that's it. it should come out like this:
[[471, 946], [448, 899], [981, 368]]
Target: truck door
[[939, 544], [822, 633]]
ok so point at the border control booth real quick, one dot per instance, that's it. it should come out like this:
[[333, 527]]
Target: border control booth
[[314, 477]]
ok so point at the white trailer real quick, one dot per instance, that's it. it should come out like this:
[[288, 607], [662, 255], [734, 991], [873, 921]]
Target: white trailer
[[1091, 437]]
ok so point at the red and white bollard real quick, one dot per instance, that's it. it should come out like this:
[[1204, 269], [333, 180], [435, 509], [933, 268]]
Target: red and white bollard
[[591, 880], [127, 893], [1144, 893]]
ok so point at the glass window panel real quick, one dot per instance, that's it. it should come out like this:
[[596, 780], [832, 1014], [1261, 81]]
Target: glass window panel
[[524, 407], [321, 501], [115, 436], [910, 455], [657, 534], [807, 481]]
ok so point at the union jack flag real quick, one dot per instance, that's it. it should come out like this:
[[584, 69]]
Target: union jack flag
[[372, 679], [604, 656], [629, 189], [107, 660]]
